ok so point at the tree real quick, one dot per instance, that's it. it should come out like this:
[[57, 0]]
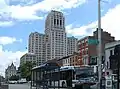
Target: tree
[[25, 70]]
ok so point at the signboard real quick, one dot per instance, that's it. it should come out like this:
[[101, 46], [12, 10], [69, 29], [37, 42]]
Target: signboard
[[109, 83], [93, 41], [108, 78]]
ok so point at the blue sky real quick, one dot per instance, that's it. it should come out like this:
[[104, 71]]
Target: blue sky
[[18, 18]]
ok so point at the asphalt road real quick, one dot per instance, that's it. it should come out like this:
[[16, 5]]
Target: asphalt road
[[23, 86], [19, 86]]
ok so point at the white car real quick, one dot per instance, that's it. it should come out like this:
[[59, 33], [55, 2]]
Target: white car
[[22, 81], [12, 82]]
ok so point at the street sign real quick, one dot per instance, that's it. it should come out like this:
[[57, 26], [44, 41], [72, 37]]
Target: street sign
[[93, 41], [109, 83]]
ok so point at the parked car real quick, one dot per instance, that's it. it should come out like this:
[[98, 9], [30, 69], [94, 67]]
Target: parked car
[[12, 82], [21, 81]]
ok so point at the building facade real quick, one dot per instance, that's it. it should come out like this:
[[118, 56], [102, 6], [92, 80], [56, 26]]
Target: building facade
[[56, 45], [87, 47], [71, 45], [37, 46], [106, 38], [10, 71], [109, 50], [28, 57], [71, 48], [75, 61]]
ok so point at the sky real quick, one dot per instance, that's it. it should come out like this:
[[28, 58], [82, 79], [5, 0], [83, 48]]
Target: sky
[[18, 18]]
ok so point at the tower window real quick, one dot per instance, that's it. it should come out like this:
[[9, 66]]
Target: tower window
[[54, 21], [60, 22], [57, 22]]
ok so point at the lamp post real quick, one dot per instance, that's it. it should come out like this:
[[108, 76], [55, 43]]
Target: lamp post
[[0, 79], [100, 44]]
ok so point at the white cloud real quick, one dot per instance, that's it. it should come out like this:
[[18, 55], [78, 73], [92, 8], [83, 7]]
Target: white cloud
[[23, 13], [110, 22], [7, 57], [22, 2], [6, 23], [29, 12], [8, 40], [17, 12], [47, 5], [80, 31]]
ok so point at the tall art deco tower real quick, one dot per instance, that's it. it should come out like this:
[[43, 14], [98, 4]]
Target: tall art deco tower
[[55, 30]]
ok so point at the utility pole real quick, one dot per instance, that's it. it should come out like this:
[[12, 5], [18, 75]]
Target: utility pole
[[100, 43]]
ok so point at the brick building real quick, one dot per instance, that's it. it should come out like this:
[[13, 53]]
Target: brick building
[[106, 38], [75, 60], [87, 47]]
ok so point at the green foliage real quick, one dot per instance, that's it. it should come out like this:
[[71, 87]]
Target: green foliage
[[25, 70], [14, 78]]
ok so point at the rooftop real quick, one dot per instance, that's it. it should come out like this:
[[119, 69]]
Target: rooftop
[[47, 66]]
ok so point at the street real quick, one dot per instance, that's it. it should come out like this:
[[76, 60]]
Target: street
[[26, 86], [22, 86], [19, 86]]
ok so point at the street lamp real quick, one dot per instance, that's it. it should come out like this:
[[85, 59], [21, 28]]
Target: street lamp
[[99, 39], [0, 78]]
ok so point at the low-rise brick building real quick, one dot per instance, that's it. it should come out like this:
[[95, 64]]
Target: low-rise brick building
[[87, 47]]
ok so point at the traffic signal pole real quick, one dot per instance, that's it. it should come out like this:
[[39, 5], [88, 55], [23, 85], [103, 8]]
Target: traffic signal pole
[[100, 44]]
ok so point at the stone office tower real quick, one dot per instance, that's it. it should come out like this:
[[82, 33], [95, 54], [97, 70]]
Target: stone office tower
[[55, 30]]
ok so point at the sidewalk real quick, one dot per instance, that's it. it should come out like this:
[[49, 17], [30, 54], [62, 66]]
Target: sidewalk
[[5, 86], [49, 88]]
